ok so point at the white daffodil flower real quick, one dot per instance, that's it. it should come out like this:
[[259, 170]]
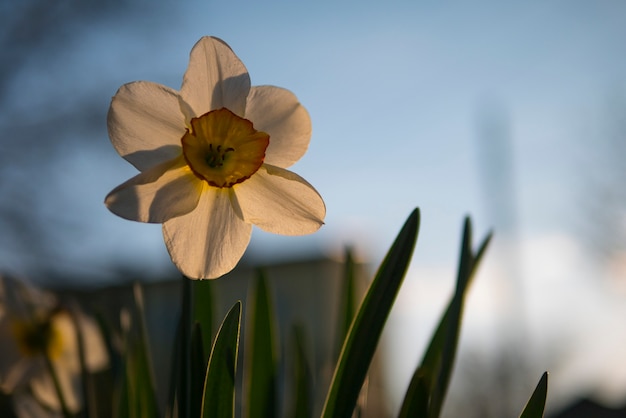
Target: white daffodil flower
[[33, 329], [213, 159]]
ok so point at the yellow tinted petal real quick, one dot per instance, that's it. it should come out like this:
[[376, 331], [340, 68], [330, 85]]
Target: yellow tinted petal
[[281, 202], [209, 241], [156, 195]]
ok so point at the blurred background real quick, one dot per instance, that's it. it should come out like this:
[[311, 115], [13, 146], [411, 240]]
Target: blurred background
[[514, 114]]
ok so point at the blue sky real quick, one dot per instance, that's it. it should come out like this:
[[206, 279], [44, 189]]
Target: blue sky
[[395, 91]]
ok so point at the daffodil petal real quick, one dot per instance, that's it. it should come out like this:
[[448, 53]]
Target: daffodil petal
[[278, 112], [44, 390], [156, 195], [209, 241], [145, 123], [281, 202], [215, 78]]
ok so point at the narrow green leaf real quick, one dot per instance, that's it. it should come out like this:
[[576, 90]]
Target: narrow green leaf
[[366, 328], [183, 362], [137, 398], [416, 399], [438, 360], [347, 308], [260, 356], [197, 371], [141, 377], [203, 303], [302, 404], [537, 402], [174, 378], [146, 385], [219, 384]]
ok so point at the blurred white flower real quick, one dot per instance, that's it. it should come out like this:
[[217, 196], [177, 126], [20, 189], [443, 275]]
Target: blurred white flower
[[32, 327], [213, 159]]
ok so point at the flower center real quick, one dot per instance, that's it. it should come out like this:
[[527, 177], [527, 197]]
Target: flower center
[[224, 149], [35, 337]]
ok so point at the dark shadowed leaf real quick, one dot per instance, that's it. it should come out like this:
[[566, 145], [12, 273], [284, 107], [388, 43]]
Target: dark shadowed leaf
[[137, 391], [197, 372], [302, 403], [436, 367], [347, 306], [537, 402], [203, 302], [260, 359], [416, 398], [219, 385]]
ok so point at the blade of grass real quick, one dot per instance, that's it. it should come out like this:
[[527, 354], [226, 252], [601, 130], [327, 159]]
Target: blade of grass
[[174, 378], [537, 402], [144, 371], [366, 328], [183, 362], [416, 398], [219, 385], [203, 302], [438, 361], [260, 358], [198, 362], [347, 308], [302, 405], [138, 390]]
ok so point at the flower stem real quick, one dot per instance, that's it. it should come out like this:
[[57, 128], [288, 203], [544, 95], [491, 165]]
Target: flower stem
[[57, 386]]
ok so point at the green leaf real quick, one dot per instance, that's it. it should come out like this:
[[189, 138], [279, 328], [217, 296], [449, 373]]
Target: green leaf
[[302, 404], [437, 364], [203, 303], [174, 378], [537, 402], [261, 357], [347, 308], [416, 399], [219, 384], [183, 361], [138, 394], [366, 328], [198, 362]]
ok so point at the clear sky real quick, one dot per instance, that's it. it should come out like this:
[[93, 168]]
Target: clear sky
[[397, 91]]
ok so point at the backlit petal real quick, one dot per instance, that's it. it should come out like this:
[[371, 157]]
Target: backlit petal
[[215, 78], [208, 242], [281, 202], [277, 111], [165, 191], [145, 123]]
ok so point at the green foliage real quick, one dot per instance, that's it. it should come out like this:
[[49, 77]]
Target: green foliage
[[203, 311], [302, 404], [347, 308], [261, 357], [198, 363], [365, 331], [432, 377], [137, 397], [536, 404], [205, 385], [219, 385]]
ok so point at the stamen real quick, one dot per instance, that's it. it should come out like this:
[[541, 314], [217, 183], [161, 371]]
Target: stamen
[[223, 149], [215, 157]]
